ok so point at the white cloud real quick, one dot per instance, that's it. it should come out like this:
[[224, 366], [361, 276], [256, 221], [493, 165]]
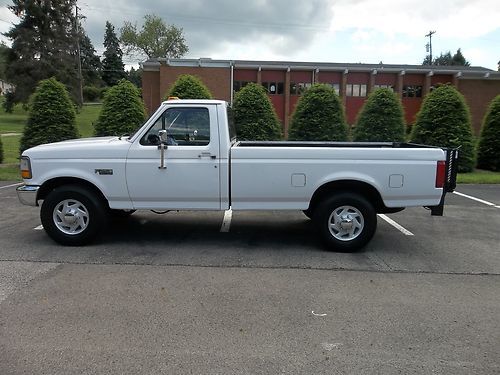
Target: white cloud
[[450, 18]]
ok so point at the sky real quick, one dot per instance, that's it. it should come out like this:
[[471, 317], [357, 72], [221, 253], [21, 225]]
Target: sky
[[341, 31]]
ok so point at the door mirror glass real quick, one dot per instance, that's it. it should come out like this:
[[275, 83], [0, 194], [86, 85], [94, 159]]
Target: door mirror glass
[[163, 136]]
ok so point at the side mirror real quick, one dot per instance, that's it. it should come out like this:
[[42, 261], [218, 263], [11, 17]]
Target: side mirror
[[163, 136]]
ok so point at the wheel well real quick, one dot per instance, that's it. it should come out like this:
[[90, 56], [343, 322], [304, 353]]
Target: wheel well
[[352, 186], [54, 183]]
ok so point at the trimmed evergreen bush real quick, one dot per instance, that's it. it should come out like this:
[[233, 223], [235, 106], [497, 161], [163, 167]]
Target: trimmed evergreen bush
[[444, 121], [189, 87], [122, 110], [319, 116], [103, 92], [1, 150], [381, 118], [254, 115], [51, 117], [489, 143]]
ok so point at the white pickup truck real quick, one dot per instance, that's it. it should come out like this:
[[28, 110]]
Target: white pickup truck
[[186, 157]]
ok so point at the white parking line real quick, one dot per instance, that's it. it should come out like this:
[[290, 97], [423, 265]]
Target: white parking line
[[226, 223], [8, 186], [403, 230], [40, 227], [476, 199]]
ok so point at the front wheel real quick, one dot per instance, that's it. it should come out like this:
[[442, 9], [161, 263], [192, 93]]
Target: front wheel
[[346, 222], [72, 215]]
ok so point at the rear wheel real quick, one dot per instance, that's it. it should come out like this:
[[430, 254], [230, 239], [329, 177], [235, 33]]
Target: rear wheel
[[72, 215], [346, 222]]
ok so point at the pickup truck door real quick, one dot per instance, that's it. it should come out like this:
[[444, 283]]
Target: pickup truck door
[[191, 177]]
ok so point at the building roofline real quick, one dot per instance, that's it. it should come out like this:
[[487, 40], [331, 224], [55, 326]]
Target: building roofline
[[461, 72]]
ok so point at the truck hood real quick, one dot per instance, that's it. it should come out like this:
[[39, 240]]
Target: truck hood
[[83, 148]]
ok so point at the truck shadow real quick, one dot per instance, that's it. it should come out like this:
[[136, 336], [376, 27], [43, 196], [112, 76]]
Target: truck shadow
[[276, 231]]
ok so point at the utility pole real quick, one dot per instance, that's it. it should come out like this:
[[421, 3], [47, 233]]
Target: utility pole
[[429, 45], [80, 78]]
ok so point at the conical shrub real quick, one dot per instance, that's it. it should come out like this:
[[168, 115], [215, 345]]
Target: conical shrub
[[444, 121], [52, 116], [189, 87], [254, 115], [319, 116], [489, 143], [381, 118], [122, 110]]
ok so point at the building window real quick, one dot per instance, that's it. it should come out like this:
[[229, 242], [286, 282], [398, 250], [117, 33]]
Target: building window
[[355, 89], [299, 88], [273, 88], [412, 91], [390, 87], [336, 87], [238, 85]]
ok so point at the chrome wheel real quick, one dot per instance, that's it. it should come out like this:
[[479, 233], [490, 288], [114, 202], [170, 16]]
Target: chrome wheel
[[346, 223], [71, 216]]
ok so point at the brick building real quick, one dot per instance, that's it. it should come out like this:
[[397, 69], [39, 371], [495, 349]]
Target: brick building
[[286, 81]]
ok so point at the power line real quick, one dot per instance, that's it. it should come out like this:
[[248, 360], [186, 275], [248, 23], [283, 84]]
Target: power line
[[197, 19]]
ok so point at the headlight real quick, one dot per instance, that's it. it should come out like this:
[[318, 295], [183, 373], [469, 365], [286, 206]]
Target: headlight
[[25, 167]]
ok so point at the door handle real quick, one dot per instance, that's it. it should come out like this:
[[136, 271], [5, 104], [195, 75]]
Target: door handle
[[207, 155]]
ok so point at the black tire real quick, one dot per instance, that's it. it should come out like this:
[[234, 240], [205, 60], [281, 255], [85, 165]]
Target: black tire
[[354, 231], [120, 214], [72, 215]]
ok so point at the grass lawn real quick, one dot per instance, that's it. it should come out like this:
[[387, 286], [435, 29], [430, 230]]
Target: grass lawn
[[85, 119], [9, 172], [12, 126], [479, 177]]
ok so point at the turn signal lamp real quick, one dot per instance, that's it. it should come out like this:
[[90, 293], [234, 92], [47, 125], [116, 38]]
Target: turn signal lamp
[[25, 167]]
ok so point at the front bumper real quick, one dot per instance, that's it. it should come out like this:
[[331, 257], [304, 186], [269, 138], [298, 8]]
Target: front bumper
[[27, 194]]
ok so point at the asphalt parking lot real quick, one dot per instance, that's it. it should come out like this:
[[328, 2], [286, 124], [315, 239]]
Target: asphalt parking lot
[[177, 294]]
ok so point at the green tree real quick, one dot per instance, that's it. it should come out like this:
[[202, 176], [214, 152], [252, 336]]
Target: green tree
[[52, 116], [8, 102], [122, 110], [155, 39], [446, 59], [43, 45], [254, 115], [444, 121], [135, 76], [4, 52], [189, 87], [489, 143], [319, 116], [381, 118], [91, 64], [458, 59], [112, 63]]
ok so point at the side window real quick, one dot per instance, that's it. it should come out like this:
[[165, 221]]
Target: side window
[[184, 126]]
